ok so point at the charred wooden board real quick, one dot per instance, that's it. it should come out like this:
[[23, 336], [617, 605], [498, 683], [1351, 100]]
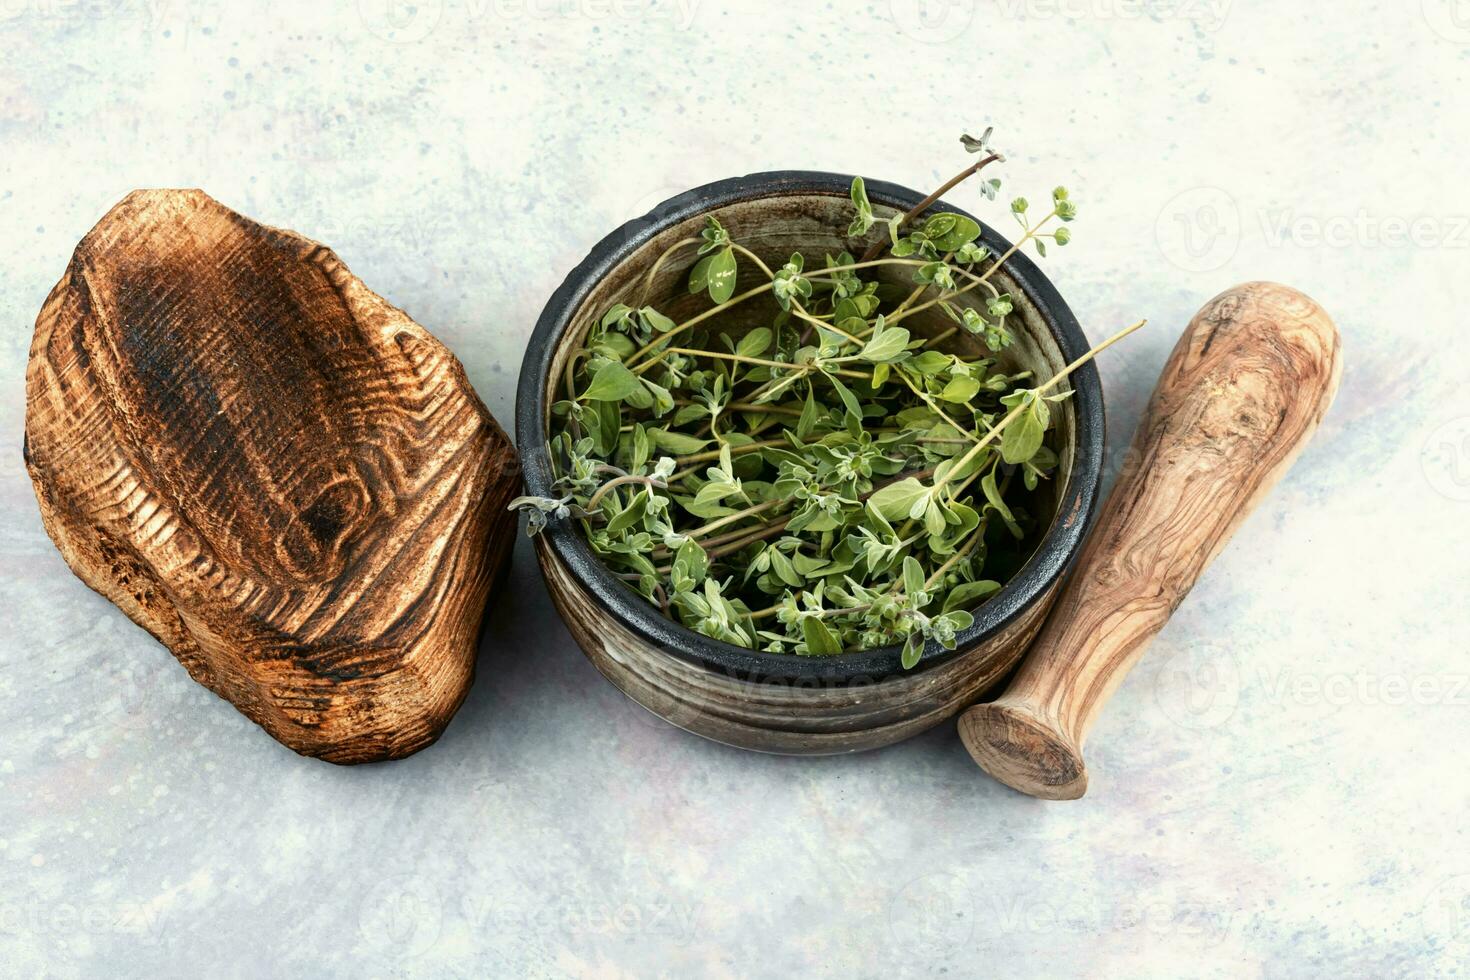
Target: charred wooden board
[[275, 472]]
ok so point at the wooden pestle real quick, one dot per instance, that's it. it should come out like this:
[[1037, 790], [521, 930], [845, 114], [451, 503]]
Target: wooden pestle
[[1240, 396]]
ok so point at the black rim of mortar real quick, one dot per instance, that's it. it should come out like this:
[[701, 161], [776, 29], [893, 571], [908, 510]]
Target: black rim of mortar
[[1054, 554]]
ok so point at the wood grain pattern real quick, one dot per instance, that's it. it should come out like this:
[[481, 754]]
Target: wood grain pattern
[[1242, 393], [279, 475]]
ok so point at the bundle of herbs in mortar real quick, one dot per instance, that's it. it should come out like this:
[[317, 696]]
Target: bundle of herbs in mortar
[[831, 481]]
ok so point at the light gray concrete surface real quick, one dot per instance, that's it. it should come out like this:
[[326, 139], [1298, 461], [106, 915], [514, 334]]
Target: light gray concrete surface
[[1279, 789]]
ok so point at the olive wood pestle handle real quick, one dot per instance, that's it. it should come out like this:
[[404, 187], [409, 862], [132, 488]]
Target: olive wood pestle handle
[[1240, 396]]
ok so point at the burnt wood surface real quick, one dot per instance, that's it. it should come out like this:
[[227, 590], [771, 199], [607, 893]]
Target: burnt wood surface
[[271, 469]]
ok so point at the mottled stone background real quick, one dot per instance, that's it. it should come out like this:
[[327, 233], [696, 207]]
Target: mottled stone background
[[1279, 789]]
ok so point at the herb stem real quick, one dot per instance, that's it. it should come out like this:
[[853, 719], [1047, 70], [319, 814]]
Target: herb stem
[[749, 407], [620, 481], [918, 290], [660, 596], [772, 528], [636, 364], [761, 361], [829, 274], [653, 269], [960, 554], [732, 518], [766, 532], [749, 447], [796, 306], [983, 278], [928, 400], [1021, 405], [923, 205], [740, 544]]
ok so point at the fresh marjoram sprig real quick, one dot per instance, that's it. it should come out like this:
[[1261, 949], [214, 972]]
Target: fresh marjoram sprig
[[827, 481]]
